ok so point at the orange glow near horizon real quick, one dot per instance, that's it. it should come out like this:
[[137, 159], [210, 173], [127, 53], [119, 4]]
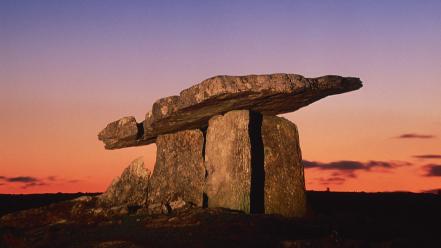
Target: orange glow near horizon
[[68, 69], [77, 162]]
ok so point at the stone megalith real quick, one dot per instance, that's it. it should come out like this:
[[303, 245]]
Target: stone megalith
[[284, 190], [179, 171], [130, 189], [249, 159], [228, 161], [269, 94], [254, 165]]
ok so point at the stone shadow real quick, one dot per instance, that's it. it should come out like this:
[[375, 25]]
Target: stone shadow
[[257, 199]]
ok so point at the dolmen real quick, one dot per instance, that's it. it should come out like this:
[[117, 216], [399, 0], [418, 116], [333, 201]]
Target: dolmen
[[221, 144]]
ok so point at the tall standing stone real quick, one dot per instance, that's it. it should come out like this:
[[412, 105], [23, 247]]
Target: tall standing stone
[[284, 178], [254, 165], [228, 161], [179, 171]]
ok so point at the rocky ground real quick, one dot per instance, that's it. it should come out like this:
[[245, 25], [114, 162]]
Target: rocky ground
[[333, 220]]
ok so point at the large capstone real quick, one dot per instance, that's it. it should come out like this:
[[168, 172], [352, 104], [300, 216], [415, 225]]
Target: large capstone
[[228, 161], [284, 190], [130, 189], [267, 94], [179, 171]]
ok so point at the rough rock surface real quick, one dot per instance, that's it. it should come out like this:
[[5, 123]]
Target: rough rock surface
[[122, 132], [268, 94], [228, 161], [130, 189], [284, 188], [253, 164], [179, 171], [336, 220]]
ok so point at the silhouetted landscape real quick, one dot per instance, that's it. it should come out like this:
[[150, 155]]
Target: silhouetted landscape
[[13, 203], [334, 219]]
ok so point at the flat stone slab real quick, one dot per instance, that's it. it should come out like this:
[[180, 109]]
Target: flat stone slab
[[270, 94]]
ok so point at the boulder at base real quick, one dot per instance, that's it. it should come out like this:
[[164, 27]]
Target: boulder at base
[[130, 189]]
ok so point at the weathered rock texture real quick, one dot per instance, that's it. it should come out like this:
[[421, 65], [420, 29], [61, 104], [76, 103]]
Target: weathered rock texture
[[228, 161], [123, 132], [253, 164], [268, 94], [249, 159], [130, 189], [179, 171], [284, 189]]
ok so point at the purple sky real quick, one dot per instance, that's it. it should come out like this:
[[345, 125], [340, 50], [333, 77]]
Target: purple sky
[[69, 67]]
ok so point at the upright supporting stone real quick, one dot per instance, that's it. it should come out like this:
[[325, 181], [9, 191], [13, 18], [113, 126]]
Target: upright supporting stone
[[284, 178], [228, 161], [253, 164], [179, 171]]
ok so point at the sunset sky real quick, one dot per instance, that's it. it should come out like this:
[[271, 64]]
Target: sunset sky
[[67, 68]]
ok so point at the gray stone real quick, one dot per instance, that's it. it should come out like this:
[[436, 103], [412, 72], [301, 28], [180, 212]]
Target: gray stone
[[268, 94], [122, 133], [254, 165], [284, 184], [179, 171], [130, 189], [228, 161]]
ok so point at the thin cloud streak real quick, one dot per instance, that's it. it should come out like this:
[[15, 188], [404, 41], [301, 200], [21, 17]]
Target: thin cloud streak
[[428, 156], [28, 181], [415, 136], [21, 179], [33, 184], [433, 170], [334, 180], [345, 169], [349, 165]]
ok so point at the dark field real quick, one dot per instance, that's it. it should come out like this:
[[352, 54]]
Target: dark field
[[12, 203], [334, 220]]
